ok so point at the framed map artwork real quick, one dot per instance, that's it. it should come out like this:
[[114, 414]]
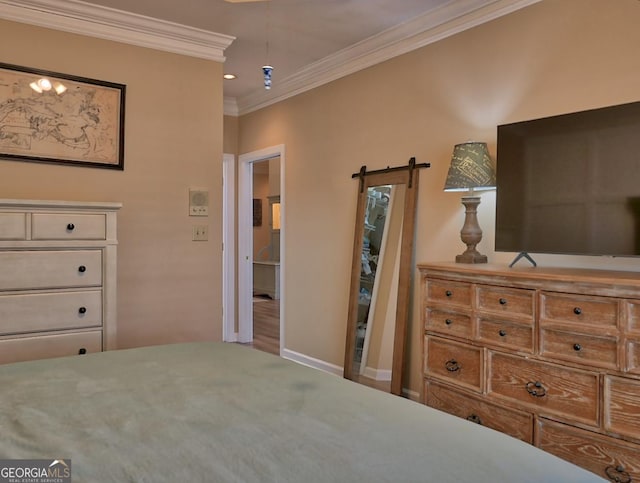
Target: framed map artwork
[[49, 117]]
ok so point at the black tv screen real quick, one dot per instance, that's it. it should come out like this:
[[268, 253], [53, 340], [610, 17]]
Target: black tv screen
[[570, 184]]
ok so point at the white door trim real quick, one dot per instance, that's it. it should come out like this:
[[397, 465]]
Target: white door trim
[[245, 240], [229, 333]]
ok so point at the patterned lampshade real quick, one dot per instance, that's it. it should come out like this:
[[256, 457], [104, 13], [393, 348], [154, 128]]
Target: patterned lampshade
[[471, 168]]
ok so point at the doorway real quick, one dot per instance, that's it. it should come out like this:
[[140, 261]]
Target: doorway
[[274, 251]]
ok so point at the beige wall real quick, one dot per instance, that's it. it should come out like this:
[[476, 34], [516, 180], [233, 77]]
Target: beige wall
[[553, 57], [262, 233], [169, 288]]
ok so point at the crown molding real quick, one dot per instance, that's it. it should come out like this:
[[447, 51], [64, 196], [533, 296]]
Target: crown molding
[[445, 21], [106, 23], [231, 107]]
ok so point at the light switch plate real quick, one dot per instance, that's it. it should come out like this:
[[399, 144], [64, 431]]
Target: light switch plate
[[198, 202], [200, 233]]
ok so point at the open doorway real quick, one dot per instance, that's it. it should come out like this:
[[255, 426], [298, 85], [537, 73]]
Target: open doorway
[[261, 262], [266, 255]]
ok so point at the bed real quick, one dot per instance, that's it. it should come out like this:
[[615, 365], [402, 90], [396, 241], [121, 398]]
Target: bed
[[218, 412]]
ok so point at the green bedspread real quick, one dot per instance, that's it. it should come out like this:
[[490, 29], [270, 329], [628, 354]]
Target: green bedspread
[[215, 412]]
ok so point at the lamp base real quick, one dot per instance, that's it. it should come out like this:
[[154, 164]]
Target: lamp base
[[471, 234], [471, 257]]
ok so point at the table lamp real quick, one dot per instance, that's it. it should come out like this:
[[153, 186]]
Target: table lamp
[[471, 170]]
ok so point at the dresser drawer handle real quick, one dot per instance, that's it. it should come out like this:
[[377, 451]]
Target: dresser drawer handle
[[448, 321], [452, 365], [536, 389], [448, 293], [577, 347], [502, 332], [71, 227], [617, 474], [474, 418], [82, 351], [82, 310], [577, 310], [502, 301], [82, 269]]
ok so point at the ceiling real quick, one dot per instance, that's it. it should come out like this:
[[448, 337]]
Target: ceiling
[[308, 42]]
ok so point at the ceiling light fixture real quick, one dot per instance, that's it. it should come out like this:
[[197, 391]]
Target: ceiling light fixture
[[267, 68], [229, 76]]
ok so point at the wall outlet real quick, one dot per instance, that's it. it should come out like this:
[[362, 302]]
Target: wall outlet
[[200, 233]]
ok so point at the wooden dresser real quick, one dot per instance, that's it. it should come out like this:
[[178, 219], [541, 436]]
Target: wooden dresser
[[57, 278], [550, 356]]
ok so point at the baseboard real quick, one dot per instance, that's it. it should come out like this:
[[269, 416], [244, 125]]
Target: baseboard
[[311, 362], [336, 370]]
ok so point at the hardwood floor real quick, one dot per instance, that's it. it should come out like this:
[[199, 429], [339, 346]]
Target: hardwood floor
[[266, 325]]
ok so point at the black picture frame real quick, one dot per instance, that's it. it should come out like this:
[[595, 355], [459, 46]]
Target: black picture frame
[[50, 117]]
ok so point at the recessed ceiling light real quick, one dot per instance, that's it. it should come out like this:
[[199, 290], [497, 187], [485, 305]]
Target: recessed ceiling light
[[229, 76]]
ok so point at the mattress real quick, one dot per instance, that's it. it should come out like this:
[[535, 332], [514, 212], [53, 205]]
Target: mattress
[[217, 412]]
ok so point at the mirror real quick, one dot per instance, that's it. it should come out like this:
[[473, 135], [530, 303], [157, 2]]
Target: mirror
[[381, 275]]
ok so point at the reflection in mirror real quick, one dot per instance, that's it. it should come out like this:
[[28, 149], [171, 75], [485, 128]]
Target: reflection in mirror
[[378, 283], [381, 276]]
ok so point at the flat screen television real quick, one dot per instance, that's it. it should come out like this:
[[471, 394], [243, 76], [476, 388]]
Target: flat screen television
[[570, 184]]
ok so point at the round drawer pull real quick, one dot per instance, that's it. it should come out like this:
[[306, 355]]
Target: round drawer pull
[[536, 389], [452, 365], [71, 227], [448, 293], [617, 474], [474, 418], [448, 321], [502, 301], [82, 351], [502, 332], [82, 310], [577, 347], [577, 310], [82, 269]]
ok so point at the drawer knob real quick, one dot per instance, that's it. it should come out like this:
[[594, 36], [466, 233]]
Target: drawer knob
[[82, 310], [452, 365], [448, 293], [82, 269], [536, 389], [577, 310], [617, 474], [577, 347], [474, 418], [502, 301], [82, 351], [448, 321], [502, 332], [71, 227]]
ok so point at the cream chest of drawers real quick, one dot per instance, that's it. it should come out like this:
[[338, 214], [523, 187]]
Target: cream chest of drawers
[[57, 278], [549, 356]]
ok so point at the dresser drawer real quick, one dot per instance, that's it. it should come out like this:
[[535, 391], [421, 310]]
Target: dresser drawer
[[506, 334], [514, 423], [449, 293], [50, 269], [633, 356], [578, 347], [454, 362], [449, 323], [609, 458], [51, 345], [549, 388], [50, 311], [632, 308], [577, 309], [622, 406], [506, 301], [13, 226], [68, 226]]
